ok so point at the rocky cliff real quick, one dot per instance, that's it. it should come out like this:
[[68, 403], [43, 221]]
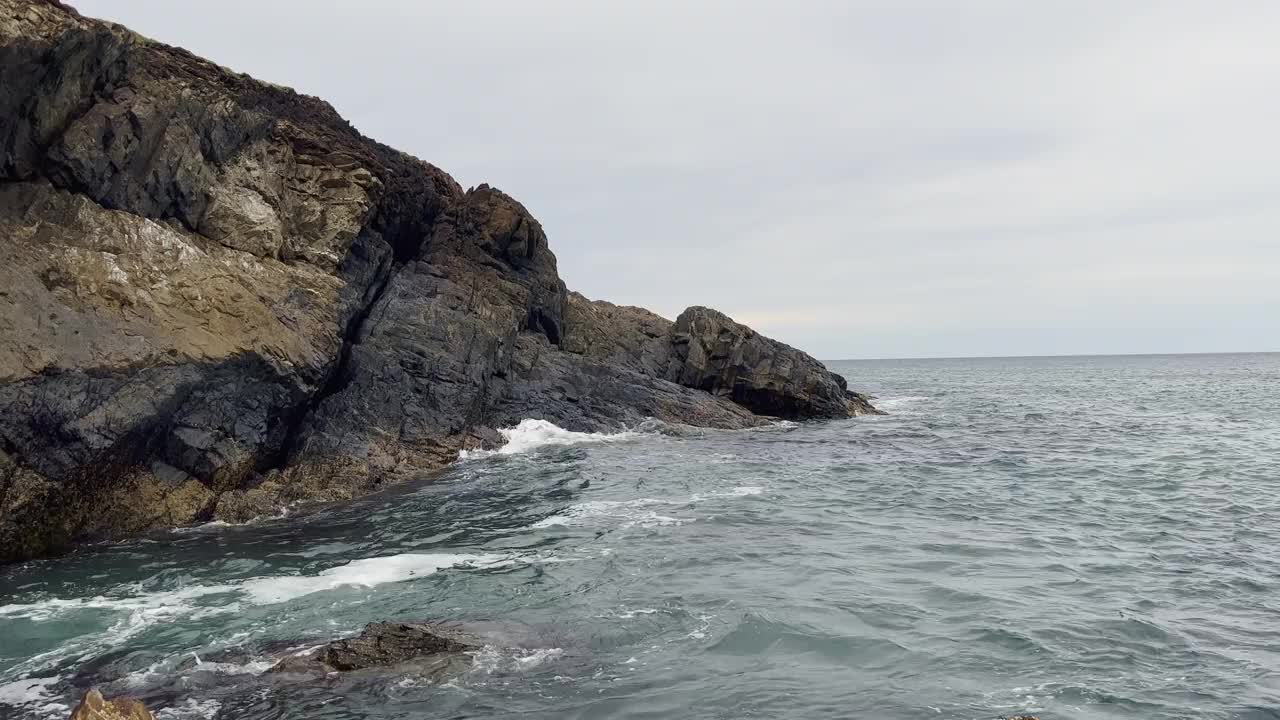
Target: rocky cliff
[[217, 297]]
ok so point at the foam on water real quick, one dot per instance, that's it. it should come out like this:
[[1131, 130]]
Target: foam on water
[[364, 573], [737, 492], [638, 512], [191, 709], [626, 514], [156, 603], [135, 610], [492, 659], [147, 608], [891, 403], [35, 697], [532, 434], [214, 525]]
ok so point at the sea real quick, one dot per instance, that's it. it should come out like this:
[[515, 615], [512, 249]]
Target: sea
[[1064, 537]]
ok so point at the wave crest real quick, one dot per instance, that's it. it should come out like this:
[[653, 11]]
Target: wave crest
[[531, 434]]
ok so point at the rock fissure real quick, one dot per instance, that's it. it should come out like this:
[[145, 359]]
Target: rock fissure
[[338, 377]]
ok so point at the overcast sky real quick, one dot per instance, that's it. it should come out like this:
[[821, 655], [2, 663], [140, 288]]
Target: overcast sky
[[860, 179]]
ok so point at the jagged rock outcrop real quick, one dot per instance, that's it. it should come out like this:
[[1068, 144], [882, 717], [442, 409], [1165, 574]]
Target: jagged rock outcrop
[[380, 644], [93, 706], [217, 298], [716, 354]]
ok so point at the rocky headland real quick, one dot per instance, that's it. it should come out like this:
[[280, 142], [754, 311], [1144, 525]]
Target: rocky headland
[[218, 298]]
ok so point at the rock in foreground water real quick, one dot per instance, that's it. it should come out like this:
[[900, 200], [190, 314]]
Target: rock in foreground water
[[95, 707], [380, 644]]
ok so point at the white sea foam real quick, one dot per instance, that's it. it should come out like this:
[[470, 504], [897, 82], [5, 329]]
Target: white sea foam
[[192, 709], [534, 658], [142, 610], [740, 491], [211, 525], [628, 614], [34, 696], [362, 573], [890, 403], [632, 513], [490, 659], [533, 434], [135, 610], [773, 426], [146, 608], [639, 512], [220, 524]]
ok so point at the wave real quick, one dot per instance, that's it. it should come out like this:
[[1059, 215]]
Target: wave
[[890, 403], [532, 434], [630, 512], [638, 512], [490, 658], [191, 709], [736, 492], [139, 610], [367, 572], [35, 696], [214, 525], [267, 590]]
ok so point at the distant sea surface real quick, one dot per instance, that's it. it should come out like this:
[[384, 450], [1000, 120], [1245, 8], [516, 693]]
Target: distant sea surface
[[1070, 537]]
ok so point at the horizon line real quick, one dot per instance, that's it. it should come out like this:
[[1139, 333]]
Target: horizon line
[[1054, 355]]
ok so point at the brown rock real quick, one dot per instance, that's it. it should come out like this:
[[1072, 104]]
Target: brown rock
[[95, 707]]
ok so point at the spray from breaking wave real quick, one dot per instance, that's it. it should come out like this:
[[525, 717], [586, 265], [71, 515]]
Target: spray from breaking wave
[[534, 434]]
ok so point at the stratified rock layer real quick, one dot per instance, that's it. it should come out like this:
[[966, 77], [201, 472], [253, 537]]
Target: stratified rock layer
[[218, 298]]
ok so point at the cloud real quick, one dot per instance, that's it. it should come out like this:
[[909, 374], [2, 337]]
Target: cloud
[[858, 178]]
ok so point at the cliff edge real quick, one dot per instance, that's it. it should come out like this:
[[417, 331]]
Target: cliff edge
[[217, 298]]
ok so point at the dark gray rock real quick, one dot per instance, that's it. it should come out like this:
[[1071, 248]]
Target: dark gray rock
[[713, 353], [218, 298], [380, 644]]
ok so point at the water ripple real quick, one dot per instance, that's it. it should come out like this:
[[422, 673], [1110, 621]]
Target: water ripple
[[1077, 538]]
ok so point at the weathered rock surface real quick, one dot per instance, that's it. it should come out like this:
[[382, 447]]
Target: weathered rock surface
[[380, 644], [218, 298], [716, 354], [95, 707]]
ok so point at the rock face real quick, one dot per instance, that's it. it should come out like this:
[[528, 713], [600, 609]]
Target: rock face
[[716, 354], [95, 707], [381, 644], [217, 297]]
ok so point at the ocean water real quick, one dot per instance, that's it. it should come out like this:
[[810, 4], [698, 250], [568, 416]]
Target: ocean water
[[1091, 537]]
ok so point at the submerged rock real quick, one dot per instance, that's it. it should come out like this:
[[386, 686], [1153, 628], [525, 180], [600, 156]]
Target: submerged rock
[[380, 644], [95, 707], [218, 299]]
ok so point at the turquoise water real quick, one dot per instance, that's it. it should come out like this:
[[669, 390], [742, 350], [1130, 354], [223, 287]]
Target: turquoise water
[[1094, 537]]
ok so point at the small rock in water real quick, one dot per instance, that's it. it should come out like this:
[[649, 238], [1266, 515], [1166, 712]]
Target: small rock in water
[[378, 645], [95, 707]]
